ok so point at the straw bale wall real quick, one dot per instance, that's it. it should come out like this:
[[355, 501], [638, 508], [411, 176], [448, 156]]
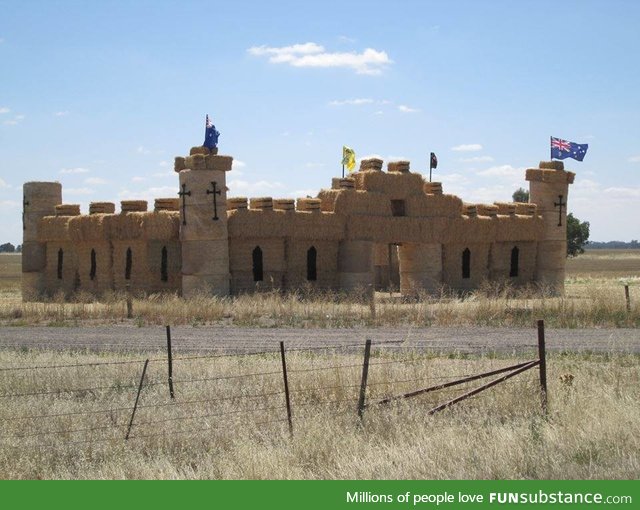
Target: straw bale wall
[[61, 255], [355, 265], [420, 267], [452, 255], [241, 267], [500, 262], [326, 264], [102, 280]]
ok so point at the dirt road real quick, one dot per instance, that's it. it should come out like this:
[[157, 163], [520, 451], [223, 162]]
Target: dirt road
[[195, 339]]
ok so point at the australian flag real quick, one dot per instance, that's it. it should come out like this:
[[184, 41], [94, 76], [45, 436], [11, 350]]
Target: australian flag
[[561, 149], [210, 135]]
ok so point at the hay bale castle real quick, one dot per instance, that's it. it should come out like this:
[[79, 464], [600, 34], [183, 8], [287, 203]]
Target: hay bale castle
[[382, 229]]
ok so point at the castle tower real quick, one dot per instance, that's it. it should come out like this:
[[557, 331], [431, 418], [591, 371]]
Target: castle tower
[[203, 222], [39, 200], [549, 189]]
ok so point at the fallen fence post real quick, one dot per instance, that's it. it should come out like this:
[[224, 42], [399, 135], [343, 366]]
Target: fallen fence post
[[542, 356], [627, 298], [363, 381], [286, 388], [483, 387], [170, 363], [135, 406]]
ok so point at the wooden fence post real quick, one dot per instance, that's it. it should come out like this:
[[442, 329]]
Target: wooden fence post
[[372, 302], [286, 388], [363, 381], [542, 356], [129, 303], [135, 406], [170, 363], [627, 298]]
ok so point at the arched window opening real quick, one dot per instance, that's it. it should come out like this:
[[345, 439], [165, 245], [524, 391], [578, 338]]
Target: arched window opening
[[515, 255], [257, 264], [92, 271], [60, 261], [466, 263], [127, 265], [312, 270], [164, 274]]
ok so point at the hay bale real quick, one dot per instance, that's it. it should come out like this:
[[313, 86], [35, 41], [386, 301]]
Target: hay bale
[[487, 210], [309, 204], [552, 165], [68, 210], [124, 226], [54, 228], [371, 165], [237, 203], [284, 204], [219, 163], [166, 204], [179, 164], [102, 208], [507, 208], [433, 188], [470, 210], [261, 203], [127, 206], [347, 183], [89, 227], [398, 166], [199, 150]]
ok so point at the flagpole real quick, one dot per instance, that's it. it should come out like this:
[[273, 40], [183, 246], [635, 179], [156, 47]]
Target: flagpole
[[550, 148]]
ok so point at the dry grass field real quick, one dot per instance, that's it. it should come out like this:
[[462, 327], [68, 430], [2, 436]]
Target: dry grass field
[[229, 418], [594, 298], [65, 413]]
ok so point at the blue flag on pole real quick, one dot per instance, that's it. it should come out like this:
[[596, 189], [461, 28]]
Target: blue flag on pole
[[211, 135], [561, 149]]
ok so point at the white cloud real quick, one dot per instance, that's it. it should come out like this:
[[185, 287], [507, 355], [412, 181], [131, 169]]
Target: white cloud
[[166, 173], [344, 38], [3, 184], [476, 159], [10, 204], [149, 194], [469, 147], [301, 193], [634, 159], [4, 109], [357, 101], [623, 192], [142, 150], [137, 178], [501, 171], [97, 181], [63, 113], [378, 112], [77, 191], [163, 164], [74, 170], [238, 187], [238, 164], [310, 54], [454, 179], [407, 109], [12, 122]]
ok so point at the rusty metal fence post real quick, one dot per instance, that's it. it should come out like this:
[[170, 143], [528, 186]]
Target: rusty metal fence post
[[286, 388], [135, 405], [363, 380], [542, 356], [170, 363]]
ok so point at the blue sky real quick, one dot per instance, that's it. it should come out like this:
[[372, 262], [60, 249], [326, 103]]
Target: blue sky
[[101, 96]]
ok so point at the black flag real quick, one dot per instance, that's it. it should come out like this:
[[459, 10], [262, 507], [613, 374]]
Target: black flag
[[434, 161]]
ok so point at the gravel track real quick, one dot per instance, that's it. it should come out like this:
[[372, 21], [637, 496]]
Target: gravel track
[[185, 339]]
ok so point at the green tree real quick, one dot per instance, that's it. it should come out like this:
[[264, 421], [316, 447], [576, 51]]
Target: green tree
[[577, 235], [521, 195]]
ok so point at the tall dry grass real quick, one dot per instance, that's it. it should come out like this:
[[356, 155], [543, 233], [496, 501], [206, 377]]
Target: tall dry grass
[[592, 431]]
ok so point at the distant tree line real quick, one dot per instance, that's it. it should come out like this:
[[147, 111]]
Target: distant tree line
[[10, 248], [614, 245]]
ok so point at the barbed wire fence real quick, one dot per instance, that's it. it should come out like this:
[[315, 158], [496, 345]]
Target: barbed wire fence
[[165, 397]]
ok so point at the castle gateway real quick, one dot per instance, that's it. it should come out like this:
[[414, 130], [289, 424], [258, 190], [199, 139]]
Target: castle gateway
[[381, 228]]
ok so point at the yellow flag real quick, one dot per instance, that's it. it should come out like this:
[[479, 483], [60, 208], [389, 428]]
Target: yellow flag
[[348, 158]]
